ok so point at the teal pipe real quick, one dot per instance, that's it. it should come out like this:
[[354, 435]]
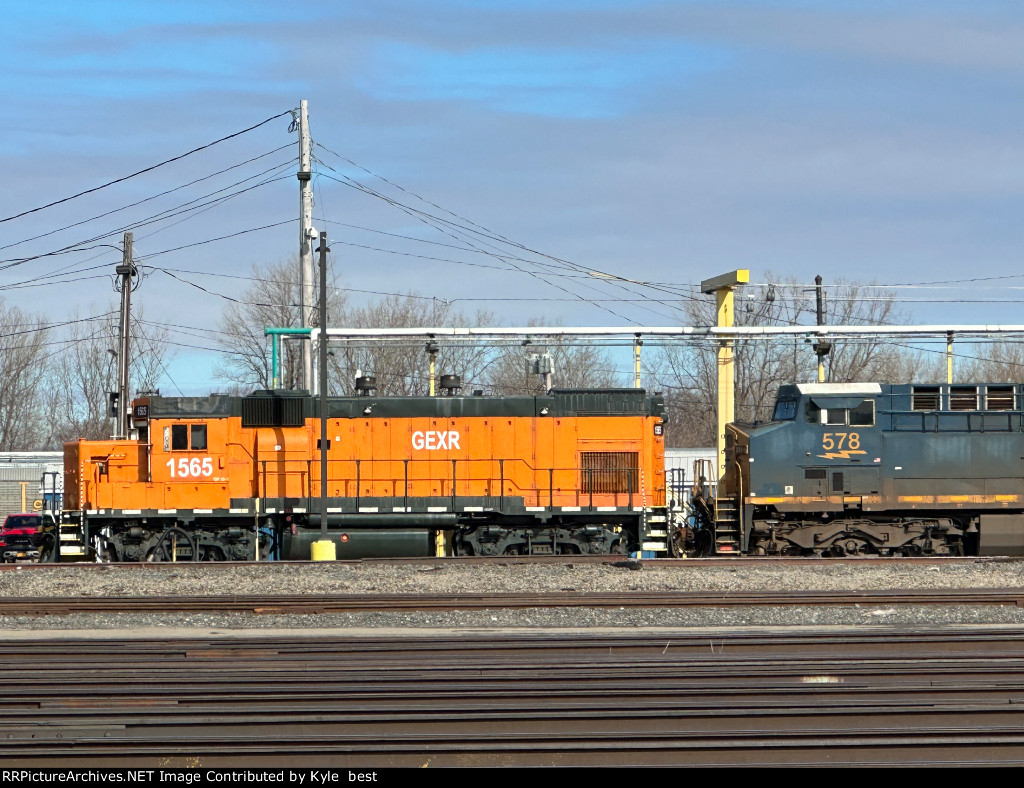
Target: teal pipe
[[274, 333]]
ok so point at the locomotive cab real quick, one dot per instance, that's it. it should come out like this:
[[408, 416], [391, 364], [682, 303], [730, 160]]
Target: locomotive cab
[[881, 469], [819, 456]]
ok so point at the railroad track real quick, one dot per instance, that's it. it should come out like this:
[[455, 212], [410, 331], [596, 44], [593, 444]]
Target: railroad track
[[523, 698], [350, 603], [565, 560]]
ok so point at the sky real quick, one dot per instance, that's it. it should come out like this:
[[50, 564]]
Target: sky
[[662, 142]]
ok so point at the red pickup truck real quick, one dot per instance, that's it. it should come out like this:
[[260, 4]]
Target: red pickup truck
[[28, 537]]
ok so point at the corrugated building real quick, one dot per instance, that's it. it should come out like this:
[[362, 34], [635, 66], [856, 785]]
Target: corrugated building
[[31, 481], [679, 468]]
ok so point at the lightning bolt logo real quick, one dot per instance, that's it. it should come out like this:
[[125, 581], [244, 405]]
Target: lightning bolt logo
[[845, 454]]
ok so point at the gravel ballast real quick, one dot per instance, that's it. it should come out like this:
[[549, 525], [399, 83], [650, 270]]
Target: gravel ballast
[[465, 577]]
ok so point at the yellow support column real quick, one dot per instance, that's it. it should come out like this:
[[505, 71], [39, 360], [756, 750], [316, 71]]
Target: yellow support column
[[723, 287], [949, 356]]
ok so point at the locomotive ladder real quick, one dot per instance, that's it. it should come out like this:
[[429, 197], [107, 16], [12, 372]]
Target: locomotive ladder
[[72, 548], [654, 533], [727, 526]]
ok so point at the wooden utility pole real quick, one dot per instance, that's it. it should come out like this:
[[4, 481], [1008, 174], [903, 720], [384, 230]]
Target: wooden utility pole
[[307, 234], [126, 271]]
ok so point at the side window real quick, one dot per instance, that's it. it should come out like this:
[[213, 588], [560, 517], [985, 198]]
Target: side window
[[863, 415], [185, 437], [812, 415], [834, 416]]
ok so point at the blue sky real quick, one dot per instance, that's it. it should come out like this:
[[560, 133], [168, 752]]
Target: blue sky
[[663, 141]]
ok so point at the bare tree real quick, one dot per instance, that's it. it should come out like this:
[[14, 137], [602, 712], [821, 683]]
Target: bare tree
[[998, 361], [83, 372], [402, 367], [272, 301], [23, 359], [574, 365]]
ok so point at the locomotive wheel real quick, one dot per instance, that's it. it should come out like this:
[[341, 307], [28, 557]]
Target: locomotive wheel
[[690, 542], [163, 550], [677, 542]]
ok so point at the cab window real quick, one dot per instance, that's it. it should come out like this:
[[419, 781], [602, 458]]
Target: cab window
[[186, 437], [863, 415], [785, 409]]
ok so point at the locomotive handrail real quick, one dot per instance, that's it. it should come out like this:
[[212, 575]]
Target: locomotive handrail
[[577, 481]]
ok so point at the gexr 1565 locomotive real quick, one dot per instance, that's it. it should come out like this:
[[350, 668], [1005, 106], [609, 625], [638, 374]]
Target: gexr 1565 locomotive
[[220, 478], [877, 469]]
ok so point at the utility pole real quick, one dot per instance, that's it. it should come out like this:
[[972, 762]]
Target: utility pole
[[126, 271], [306, 236]]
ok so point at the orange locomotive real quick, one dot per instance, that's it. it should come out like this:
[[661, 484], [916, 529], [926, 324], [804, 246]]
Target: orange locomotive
[[210, 478]]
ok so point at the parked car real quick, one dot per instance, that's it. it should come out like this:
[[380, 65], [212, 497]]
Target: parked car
[[28, 537]]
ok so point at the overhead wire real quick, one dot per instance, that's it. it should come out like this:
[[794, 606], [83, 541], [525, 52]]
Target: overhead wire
[[144, 200], [608, 278], [144, 170]]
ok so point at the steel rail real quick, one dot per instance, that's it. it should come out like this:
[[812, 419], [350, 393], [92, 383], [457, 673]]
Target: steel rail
[[564, 560], [756, 699], [344, 603]]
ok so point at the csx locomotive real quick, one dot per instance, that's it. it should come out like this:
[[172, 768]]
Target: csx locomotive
[[868, 468], [238, 478]]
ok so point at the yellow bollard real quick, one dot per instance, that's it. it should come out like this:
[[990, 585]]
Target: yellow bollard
[[324, 550]]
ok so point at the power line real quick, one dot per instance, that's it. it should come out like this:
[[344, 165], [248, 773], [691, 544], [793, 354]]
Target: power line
[[145, 200], [142, 171]]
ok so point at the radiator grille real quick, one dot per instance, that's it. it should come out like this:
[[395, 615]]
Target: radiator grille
[[609, 472], [271, 412]]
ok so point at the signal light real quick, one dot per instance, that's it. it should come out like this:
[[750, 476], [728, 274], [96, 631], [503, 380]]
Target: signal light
[[343, 538]]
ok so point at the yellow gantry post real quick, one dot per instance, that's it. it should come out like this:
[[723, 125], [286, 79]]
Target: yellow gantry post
[[949, 356], [723, 287]]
